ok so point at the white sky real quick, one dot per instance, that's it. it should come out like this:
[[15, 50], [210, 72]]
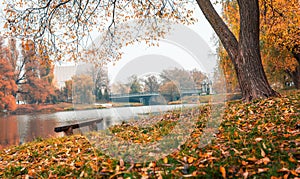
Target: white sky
[[174, 55]]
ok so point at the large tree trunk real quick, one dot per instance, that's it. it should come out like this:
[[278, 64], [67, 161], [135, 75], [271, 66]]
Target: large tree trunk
[[295, 75], [251, 76], [245, 53]]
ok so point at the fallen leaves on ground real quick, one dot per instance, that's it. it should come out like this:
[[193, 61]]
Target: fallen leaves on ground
[[258, 139]]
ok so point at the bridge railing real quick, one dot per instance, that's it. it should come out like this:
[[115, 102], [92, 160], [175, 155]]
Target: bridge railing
[[133, 94], [186, 91]]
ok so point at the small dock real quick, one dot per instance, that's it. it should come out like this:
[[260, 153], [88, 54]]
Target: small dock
[[68, 129]]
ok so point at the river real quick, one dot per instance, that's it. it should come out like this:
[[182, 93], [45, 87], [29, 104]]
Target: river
[[18, 129]]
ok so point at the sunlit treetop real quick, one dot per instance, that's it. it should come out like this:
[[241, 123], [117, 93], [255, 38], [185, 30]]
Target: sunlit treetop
[[281, 21], [65, 27]]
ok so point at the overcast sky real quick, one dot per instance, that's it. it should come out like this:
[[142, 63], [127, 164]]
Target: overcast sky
[[198, 53], [140, 59]]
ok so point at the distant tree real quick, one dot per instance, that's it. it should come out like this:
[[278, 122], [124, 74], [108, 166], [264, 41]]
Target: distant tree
[[36, 84], [83, 89], [135, 85], [8, 86], [198, 77], [106, 95], [181, 77], [56, 97], [99, 95], [170, 91], [67, 91], [119, 88], [151, 84]]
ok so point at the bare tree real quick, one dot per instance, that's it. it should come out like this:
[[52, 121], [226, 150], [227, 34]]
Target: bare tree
[[151, 84]]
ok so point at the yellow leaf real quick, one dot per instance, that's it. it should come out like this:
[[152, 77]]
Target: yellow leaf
[[264, 146], [190, 160], [262, 153], [166, 160], [117, 168], [223, 171], [152, 165]]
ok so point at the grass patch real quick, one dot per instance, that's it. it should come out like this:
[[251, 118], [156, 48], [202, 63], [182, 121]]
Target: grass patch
[[255, 140]]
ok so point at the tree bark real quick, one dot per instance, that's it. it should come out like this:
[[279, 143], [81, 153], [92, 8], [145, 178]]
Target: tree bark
[[245, 53], [295, 75]]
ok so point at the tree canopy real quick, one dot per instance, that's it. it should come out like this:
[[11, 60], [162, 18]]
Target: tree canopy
[[65, 27], [278, 38]]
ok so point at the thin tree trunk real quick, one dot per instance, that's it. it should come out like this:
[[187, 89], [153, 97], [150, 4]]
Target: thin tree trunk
[[245, 53], [227, 38]]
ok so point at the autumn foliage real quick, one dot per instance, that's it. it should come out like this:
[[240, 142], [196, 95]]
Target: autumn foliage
[[8, 86], [279, 40], [27, 78], [38, 76]]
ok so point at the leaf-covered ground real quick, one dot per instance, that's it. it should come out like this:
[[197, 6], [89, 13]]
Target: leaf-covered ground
[[260, 139]]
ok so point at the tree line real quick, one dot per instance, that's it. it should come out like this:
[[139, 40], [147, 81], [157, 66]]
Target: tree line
[[24, 75], [169, 83], [27, 77]]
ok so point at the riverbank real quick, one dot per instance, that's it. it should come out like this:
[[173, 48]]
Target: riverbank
[[255, 140], [51, 108]]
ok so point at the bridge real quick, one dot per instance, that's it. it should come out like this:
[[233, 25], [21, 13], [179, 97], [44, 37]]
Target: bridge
[[145, 97], [133, 98]]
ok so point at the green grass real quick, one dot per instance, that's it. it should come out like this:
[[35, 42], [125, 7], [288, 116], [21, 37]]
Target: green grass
[[258, 140]]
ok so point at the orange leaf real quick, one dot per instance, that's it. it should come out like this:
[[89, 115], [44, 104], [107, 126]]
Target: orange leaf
[[5, 25], [260, 170], [252, 159], [190, 160], [244, 163], [223, 171], [286, 176], [291, 159], [294, 173]]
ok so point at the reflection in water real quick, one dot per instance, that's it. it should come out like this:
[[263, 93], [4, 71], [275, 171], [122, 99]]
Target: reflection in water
[[9, 133], [18, 129], [40, 128]]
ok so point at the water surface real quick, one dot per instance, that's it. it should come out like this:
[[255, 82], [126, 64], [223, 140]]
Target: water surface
[[18, 129]]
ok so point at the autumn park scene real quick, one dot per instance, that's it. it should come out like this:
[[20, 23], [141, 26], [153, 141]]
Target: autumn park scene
[[150, 89]]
